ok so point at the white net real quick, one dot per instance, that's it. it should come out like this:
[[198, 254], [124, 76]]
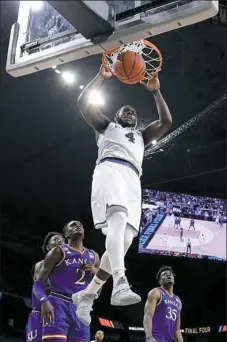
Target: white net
[[150, 54]]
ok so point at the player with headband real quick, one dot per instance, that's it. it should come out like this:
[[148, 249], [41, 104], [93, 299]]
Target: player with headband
[[116, 187]]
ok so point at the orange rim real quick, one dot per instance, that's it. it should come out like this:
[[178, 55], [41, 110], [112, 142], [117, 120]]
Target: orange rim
[[146, 42], [154, 47]]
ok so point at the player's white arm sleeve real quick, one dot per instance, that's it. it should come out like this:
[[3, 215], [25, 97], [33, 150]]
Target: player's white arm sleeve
[[152, 300]]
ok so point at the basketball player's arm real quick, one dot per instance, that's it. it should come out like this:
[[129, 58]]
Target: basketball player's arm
[[93, 267], [97, 263], [51, 260], [149, 310], [36, 268], [178, 334], [91, 113], [157, 128], [96, 266]]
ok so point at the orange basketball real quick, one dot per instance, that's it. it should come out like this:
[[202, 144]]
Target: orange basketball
[[130, 67]]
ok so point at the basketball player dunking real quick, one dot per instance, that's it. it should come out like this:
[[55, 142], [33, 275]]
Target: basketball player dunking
[[69, 268], [34, 327], [161, 320], [116, 188]]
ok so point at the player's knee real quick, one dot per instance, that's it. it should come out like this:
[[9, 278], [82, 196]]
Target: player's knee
[[117, 211]]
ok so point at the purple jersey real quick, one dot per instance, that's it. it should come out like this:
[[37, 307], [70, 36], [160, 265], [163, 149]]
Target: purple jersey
[[165, 317], [68, 276]]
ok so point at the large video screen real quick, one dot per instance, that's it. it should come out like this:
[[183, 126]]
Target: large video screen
[[183, 225]]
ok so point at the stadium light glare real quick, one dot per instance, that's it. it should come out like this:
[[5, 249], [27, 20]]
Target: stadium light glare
[[154, 142], [96, 98], [81, 87], [68, 77], [57, 71], [34, 5], [54, 67]]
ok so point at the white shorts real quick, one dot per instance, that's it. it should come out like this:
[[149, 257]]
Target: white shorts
[[115, 185]]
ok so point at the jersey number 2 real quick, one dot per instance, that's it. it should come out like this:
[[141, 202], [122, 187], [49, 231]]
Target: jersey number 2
[[130, 137], [81, 280]]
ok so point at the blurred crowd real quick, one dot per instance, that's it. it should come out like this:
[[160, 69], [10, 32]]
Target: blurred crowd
[[184, 205]]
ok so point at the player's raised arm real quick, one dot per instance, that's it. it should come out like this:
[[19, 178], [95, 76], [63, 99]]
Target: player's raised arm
[[50, 261], [178, 335], [152, 300], [36, 269], [157, 128], [91, 113]]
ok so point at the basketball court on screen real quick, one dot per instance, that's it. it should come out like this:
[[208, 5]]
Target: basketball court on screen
[[212, 243]]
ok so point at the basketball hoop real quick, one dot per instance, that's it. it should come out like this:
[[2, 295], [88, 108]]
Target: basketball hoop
[[150, 53]]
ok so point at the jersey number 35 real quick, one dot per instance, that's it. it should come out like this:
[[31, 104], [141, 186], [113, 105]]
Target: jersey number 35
[[171, 313]]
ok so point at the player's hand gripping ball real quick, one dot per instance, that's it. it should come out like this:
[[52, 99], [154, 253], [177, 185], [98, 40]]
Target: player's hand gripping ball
[[104, 72], [153, 83]]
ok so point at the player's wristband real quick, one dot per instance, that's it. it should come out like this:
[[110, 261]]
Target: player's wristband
[[39, 291]]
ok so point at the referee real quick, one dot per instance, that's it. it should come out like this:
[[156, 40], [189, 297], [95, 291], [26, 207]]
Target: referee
[[189, 246]]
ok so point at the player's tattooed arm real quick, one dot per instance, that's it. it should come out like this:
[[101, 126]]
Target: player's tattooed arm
[[157, 128], [36, 268], [178, 335], [91, 113], [50, 261], [53, 257], [152, 300]]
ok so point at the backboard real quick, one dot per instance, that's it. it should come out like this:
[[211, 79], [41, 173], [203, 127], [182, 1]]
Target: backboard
[[42, 37]]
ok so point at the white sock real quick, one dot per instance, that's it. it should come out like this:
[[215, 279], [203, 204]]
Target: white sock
[[128, 238], [117, 221], [95, 285], [118, 275]]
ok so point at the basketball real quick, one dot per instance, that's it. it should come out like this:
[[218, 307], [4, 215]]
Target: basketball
[[130, 67]]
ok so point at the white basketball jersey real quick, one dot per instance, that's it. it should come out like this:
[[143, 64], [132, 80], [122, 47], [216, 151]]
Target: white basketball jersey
[[121, 142]]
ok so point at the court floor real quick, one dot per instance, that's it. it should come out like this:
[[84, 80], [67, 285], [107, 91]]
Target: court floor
[[212, 243]]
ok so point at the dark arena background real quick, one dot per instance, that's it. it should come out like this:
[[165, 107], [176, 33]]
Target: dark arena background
[[47, 156]]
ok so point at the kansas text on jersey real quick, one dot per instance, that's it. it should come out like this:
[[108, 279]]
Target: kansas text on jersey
[[68, 276]]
